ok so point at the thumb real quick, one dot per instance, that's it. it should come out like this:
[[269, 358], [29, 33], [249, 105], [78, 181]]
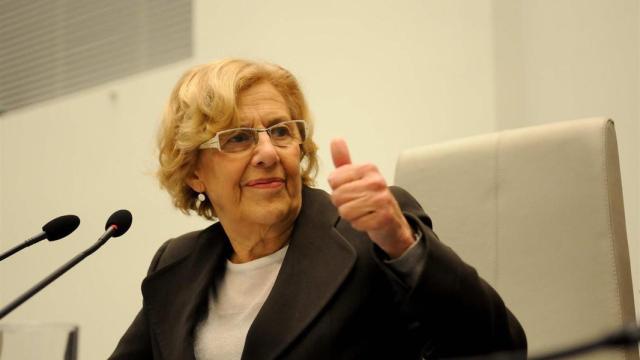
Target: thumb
[[340, 152]]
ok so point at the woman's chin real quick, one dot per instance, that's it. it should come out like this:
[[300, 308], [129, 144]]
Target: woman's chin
[[269, 217], [272, 214]]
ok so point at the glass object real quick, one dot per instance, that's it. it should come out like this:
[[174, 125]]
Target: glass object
[[286, 133], [31, 341]]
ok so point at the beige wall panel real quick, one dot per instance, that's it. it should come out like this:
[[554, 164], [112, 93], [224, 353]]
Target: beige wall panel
[[561, 60]]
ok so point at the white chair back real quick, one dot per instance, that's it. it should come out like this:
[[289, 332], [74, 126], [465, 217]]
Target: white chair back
[[539, 212]]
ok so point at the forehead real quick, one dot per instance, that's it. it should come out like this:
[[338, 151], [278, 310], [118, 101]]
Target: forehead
[[261, 103]]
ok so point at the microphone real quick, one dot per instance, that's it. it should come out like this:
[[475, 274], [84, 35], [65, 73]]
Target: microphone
[[53, 230], [117, 224]]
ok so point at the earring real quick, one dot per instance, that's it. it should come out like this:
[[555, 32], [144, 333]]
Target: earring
[[199, 200]]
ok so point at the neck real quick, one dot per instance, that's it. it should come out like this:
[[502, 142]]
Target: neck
[[249, 243]]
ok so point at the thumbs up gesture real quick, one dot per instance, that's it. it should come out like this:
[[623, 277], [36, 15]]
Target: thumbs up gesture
[[363, 199]]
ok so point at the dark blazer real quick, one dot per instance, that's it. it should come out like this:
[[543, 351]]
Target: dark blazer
[[334, 298]]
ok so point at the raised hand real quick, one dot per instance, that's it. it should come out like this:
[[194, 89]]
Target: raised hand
[[362, 197]]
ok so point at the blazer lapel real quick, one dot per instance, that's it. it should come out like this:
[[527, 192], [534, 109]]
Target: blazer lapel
[[177, 294], [317, 262]]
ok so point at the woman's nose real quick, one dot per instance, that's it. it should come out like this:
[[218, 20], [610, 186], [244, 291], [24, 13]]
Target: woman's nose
[[265, 153]]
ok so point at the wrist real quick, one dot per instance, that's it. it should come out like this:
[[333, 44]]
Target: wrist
[[402, 243]]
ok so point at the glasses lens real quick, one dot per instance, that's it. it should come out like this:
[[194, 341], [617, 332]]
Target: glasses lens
[[242, 139], [236, 140], [287, 133]]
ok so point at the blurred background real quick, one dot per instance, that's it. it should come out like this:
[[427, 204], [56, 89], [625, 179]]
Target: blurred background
[[83, 85]]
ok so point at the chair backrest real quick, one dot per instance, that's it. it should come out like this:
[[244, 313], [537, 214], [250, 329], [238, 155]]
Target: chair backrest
[[539, 212]]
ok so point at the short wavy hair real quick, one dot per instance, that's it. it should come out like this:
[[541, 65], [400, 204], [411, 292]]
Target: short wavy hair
[[203, 102]]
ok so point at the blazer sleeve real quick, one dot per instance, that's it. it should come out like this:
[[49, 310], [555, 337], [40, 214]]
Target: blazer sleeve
[[136, 341], [458, 311]]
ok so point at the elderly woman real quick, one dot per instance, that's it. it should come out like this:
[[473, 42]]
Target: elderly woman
[[288, 271]]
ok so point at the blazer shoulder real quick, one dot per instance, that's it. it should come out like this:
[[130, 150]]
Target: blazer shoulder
[[175, 249]]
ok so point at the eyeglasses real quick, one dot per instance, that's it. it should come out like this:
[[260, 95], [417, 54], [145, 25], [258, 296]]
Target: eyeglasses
[[286, 133]]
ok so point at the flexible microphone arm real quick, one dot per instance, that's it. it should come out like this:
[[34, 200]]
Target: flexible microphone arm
[[29, 242], [53, 230], [117, 225], [626, 336]]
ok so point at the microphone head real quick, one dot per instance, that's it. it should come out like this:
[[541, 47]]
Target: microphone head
[[61, 226], [121, 219]]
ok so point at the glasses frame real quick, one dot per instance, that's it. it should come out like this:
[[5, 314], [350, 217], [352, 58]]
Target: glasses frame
[[214, 142]]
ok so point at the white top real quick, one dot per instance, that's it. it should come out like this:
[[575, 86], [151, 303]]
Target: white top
[[241, 294]]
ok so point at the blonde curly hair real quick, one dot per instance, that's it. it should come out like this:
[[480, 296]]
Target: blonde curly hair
[[203, 102]]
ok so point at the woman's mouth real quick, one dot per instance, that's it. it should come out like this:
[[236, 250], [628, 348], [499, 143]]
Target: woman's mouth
[[266, 183]]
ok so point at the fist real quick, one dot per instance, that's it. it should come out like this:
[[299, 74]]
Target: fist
[[363, 199]]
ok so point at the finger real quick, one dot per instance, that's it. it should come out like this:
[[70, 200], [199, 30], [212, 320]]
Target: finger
[[365, 217], [350, 173], [367, 222], [346, 193], [366, 204], [340, 152], [354, 211], [349, 191], [343, 175]]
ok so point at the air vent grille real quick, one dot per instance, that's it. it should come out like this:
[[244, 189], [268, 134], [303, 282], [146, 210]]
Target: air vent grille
[[50, 48]]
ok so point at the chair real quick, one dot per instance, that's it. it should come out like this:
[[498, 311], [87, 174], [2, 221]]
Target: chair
[[539, 213]]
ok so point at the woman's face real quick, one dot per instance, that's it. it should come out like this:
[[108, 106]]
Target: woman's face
[[262, 186]]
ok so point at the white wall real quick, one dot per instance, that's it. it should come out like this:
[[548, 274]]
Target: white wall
[[369, 66], [434, 70]]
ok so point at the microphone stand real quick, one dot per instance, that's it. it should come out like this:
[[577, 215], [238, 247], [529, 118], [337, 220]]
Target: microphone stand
[[56, 274]]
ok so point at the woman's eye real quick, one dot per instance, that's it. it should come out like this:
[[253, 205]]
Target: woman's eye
[[238, 137], [280, 131]]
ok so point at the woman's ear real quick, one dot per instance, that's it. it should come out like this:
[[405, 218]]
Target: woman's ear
[[195, 183]]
